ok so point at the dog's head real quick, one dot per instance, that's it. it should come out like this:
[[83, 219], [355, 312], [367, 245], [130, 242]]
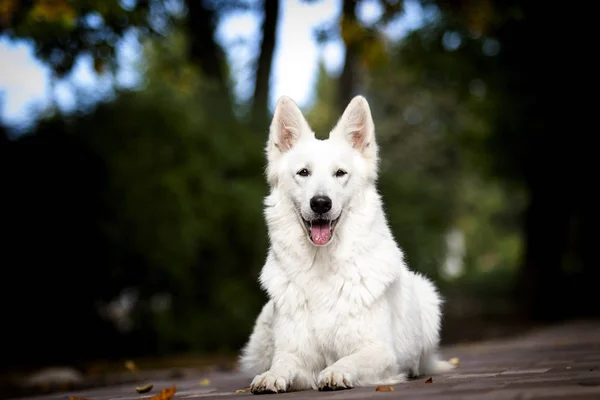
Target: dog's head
[[321, 177]]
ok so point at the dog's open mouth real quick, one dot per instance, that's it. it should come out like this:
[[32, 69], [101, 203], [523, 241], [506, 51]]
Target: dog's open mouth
[[321, 230]]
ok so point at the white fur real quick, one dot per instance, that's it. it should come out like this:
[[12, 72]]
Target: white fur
[[349, 313]]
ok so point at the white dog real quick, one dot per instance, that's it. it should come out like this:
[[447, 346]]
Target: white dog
[[344, 310]]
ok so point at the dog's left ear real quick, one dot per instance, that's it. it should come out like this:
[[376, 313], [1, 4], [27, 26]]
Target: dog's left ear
[[357, 128]]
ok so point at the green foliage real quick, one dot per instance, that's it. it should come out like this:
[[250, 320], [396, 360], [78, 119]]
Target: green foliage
[[186, 185], [446, 56], [181, 215], [323, 113], [434, 107], [419, 168], [61, 30]]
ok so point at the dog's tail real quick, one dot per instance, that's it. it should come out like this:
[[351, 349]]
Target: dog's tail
[[432, 365]]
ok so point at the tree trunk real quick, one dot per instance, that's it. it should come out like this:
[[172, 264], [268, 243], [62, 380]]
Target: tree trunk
[[541, 276], [265, 61], [557, 272], [558, 279], [204, 51], [347, 82]]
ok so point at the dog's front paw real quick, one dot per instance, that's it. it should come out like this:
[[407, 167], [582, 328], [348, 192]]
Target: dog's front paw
[[334, 379], [268, 382]]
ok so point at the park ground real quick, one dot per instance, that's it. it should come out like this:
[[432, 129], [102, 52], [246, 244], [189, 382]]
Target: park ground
[[556, 362]]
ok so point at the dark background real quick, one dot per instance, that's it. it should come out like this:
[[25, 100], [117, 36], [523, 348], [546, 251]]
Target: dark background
[[132, 227]]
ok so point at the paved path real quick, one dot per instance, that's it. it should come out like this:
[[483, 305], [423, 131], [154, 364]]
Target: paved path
[[552, 363]]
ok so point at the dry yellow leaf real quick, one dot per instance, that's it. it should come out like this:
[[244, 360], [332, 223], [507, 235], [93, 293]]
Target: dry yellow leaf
[[384, 389], [243, 390], [454, 361], [165, 394], [205, 382]]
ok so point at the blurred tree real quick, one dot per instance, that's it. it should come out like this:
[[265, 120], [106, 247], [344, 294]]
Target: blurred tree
[[203, 171], [58, 262], [158, 193], [323, 113], [265, 61], [61, 29], [172, 185], [500, 51], [351, 34], [364, 45]]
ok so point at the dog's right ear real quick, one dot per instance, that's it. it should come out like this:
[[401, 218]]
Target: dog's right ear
[[288, 126]]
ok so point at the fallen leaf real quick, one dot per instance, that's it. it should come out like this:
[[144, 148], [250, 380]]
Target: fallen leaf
[[430, 380], [205, 382], [77, 398], [384, 389], [144, 389], [454, 361], [165, 394], [242, 390]]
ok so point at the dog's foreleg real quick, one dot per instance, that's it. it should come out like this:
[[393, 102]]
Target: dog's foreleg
[[372, 365], [288, 370]]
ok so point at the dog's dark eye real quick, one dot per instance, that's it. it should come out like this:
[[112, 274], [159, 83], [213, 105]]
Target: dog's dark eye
[[303, 172], [340, 172]]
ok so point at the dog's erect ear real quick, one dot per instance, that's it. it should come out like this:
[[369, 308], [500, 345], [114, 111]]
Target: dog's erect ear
[[357, 128], [288, 126]]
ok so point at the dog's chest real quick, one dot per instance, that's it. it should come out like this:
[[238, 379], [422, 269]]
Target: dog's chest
[[332, 315]]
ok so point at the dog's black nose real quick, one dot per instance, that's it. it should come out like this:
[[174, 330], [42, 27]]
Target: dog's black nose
[[320, 204]]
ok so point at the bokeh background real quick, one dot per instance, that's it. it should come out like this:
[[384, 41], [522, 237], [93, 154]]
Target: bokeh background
[[131, 149]]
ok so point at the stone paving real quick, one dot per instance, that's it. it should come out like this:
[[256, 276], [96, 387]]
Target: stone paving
[[561, 362]]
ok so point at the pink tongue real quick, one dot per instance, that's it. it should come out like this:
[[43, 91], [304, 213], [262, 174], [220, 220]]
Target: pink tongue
[[320, 232]]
